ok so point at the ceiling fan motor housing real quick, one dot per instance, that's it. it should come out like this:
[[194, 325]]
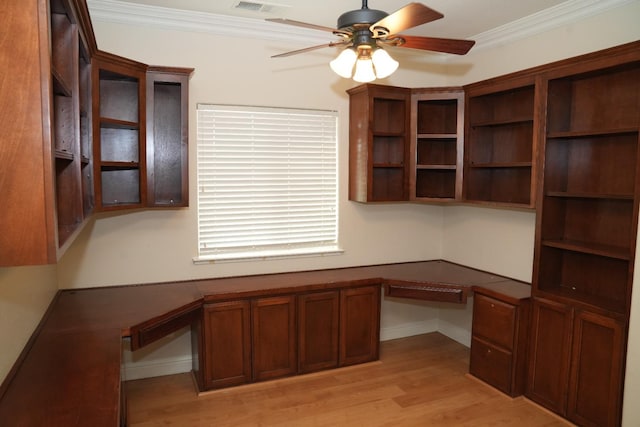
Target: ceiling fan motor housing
[[359, 18]]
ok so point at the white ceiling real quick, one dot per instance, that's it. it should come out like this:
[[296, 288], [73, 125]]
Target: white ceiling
[[462, 18]]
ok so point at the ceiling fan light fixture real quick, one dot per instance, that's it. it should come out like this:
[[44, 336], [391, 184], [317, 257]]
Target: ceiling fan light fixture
[[364, 70], [343, 64], [384, 64]]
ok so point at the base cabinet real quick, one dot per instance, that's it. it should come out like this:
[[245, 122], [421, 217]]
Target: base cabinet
[[257, 339], [499, 342], [273, 334], [227, 344], [576, 363], [359, 325]]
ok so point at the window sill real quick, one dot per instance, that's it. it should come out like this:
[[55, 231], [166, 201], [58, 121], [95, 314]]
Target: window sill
[[268, 255]]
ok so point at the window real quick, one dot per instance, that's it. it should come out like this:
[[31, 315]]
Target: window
[[267, 182]]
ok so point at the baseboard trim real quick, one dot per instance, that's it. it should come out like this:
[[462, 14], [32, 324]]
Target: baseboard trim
[[156, 368], [408, 330]]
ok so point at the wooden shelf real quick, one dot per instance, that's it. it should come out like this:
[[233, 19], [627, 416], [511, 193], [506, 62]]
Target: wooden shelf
[[60, 87], [64, 155], [452, 136], [502, 122], [106, 122], [436, 167], [496, 165], [568, 195], [590, 133], [590, 248], [119, 165]]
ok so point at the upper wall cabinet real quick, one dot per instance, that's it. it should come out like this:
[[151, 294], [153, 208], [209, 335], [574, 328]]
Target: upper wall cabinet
[[379, 143], [436, 146], [45, 155], [499, 150], [83, 130], [141, 134]]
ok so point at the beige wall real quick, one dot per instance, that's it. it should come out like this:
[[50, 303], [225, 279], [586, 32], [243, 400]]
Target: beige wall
[[25, 294]]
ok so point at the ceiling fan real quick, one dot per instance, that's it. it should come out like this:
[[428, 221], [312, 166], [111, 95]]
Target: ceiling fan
[[365, 32]]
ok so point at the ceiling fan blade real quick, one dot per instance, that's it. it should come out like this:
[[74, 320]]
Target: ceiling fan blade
[[455, 46], [301, 24], [409, 16], [309, 49]]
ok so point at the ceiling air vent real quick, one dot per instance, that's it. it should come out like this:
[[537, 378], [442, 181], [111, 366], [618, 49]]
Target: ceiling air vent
[[257, 6]]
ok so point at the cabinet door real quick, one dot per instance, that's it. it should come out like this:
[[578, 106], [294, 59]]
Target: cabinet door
[[551, 326], [359, 325], [167, 137], [318, 327], [596, 371], [227, 341], [274, 337]]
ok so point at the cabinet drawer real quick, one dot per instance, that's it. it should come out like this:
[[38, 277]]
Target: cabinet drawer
[[494, 321], [491, 364]]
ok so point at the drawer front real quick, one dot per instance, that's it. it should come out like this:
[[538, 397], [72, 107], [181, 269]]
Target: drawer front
[[491, 364], [494, 321]]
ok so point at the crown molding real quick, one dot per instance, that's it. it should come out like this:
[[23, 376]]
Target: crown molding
[[121, 12], [562, 14], [231, 26]]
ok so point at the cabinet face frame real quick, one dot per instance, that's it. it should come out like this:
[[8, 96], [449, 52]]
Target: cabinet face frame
[[438, 176]]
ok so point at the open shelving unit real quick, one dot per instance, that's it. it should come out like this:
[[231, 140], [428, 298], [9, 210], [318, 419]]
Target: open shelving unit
[[437, 127], [119, 140], [379, 149], [499, 161]]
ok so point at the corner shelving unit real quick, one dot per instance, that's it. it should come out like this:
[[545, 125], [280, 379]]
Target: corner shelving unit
[[437, 127]]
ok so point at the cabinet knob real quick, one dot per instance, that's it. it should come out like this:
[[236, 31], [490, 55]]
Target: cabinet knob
[[493, 306]]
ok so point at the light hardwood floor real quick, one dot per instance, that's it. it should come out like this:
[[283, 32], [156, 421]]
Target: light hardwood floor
[[419, 381]]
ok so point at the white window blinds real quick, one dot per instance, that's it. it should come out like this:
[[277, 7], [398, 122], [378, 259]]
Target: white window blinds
[[267, 182]]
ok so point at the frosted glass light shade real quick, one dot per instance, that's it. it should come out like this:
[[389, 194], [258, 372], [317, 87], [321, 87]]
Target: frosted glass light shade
[[343, 64], [385, 65], [364, 71]]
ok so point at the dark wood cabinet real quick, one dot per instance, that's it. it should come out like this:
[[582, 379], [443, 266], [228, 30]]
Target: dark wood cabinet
[[141, 134], [119, 132], [75, 138], [167, 136], [268, 337], [379, 143], [436, 146], [500, 145], [499, 340], [548, 377], [359, 325], [44, 54], [318, 331], [586, 234], [273, 336], [226, 344], [577, 359]]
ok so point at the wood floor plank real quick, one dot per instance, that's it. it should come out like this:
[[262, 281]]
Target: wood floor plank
[[419, 381]]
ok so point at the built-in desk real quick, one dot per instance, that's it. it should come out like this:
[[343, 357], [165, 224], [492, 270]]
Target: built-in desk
[[69, 373]]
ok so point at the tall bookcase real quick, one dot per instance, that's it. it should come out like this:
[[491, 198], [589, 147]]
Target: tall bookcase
[[436, 148], [499, 165], [586, 236]]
